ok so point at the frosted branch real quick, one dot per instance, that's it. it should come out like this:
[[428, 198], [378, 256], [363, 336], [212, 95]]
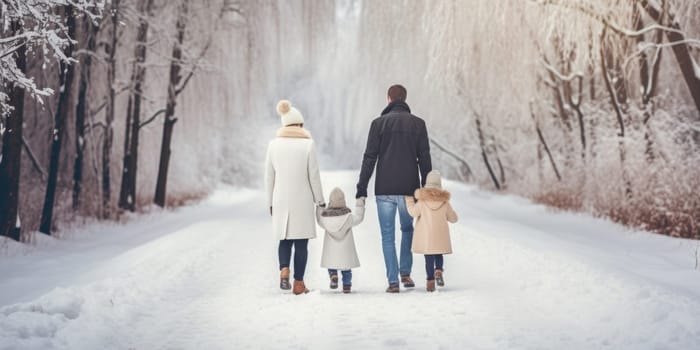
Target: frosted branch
[[606, 20], [559, 75]]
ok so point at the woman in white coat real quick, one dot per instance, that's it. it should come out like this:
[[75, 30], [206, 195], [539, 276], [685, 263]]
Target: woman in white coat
[[293, 186]]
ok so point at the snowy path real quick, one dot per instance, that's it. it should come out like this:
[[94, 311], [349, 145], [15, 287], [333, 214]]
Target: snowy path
[[204, 277]]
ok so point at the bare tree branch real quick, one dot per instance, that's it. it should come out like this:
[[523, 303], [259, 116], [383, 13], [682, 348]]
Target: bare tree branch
[[225, 8], [453, 155], [35, 161], [152, 118]]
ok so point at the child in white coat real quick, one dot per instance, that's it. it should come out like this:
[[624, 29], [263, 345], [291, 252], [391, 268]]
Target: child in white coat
[[339, 251]]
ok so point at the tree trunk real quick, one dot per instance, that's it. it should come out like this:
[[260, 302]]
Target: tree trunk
[[591, 68], [562, 94], [109, 113], [648, 77], [82, 109], [170, 118], [501, 171], [66, 76], [540, 136], [12, 151], [618, 112], [127, 196], [482, 143], [126, 163]]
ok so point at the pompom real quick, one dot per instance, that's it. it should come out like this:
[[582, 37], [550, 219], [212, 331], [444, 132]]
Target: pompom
[[283, 107]]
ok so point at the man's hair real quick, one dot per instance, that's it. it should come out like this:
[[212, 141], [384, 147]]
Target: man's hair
[[397, 93]]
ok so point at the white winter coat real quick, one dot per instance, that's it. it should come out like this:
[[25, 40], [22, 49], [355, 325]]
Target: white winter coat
[[293, 183], [338, 243]]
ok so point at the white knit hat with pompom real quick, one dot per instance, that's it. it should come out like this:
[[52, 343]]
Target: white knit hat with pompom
[[289, 114]]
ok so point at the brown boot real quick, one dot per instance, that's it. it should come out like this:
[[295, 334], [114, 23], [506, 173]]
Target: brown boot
[[284, 279], [299, 288], [430, 285], [407, 281]]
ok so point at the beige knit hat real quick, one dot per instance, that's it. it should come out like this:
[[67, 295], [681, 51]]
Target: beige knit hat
[[336, 199], [289, 114], [433, 180]]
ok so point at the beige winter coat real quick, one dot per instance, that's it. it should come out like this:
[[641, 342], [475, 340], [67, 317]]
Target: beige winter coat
[[432, 212], [293, 184], [338, 243]]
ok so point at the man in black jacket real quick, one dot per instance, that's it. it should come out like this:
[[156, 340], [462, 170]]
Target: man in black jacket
[[398, 145]]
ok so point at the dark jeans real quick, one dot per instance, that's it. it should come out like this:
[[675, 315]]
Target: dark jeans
[[432, 263], [347, 276], [301, 254]]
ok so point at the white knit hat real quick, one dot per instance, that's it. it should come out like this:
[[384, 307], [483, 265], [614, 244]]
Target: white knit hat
[[289, 114], [433, 180]]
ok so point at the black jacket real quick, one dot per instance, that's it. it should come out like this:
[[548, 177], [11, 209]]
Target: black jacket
[[398, 145]]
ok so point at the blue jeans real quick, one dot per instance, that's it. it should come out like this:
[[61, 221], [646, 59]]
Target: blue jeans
[[387, 205], [433, 262], [301, 254], [347, 276]]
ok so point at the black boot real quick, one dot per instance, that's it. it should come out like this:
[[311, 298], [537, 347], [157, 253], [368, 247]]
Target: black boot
[[334, 281], [284, 279], [439, 279]]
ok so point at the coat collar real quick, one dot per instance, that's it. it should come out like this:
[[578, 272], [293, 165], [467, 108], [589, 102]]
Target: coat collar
[[396, 106], [293, 132]]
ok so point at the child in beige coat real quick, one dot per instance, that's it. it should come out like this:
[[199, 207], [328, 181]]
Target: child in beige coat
[[431, 236]]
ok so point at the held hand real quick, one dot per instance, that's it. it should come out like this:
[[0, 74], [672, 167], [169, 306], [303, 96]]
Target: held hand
[[360, 202]]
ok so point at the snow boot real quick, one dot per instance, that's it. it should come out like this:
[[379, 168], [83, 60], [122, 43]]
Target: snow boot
[[299, 288], [439, 279], [334, 281], [430, 285], [393, 288], [346, 289], [284, 279], [407, 281]]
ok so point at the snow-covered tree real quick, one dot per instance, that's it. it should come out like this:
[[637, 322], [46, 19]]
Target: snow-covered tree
[[27, 27]]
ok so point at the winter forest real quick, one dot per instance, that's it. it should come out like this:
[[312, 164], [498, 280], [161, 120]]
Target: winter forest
[[581, 105], [134, 137]]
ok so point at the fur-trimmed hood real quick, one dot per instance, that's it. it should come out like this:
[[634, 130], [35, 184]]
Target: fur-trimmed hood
[[328, 212], [434, 198]]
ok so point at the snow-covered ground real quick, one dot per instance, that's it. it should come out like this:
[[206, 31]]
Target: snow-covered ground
[[205, 277]]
